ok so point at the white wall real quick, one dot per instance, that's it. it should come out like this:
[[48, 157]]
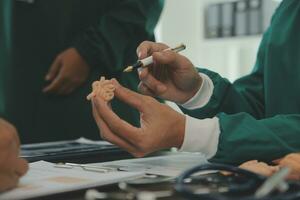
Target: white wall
[[183, 21]]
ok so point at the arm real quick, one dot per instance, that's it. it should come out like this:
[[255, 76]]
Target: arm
[[119, 32], [245, 138], [108, 44], [244, 95]]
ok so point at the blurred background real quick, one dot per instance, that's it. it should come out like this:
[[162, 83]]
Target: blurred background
[[231, 54], [221, 35]]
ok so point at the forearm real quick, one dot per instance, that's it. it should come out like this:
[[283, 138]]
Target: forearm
[[245, 138], [244, 95], [119, 31], [234, 139]]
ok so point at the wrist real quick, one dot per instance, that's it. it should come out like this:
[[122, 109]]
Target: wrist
[[179, 130], [196, 83]]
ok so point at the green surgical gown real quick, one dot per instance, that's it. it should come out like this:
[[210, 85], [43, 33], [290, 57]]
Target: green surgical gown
[[259, 114], [32, 33]]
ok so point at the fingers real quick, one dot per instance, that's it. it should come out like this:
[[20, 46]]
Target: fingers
[[145, 90], [54, 69], [8, 181], [152, 83], [109, 136], [147, 48], [165, 57], [128, 96], [21, 167], [115, 124], [55, 86]]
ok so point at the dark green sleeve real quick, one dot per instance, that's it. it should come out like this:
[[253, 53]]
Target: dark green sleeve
[[244, 95], [245, 138], [119, 31]]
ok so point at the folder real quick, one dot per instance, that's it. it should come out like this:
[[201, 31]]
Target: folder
[[268, 8], [227, 19], [241, 18], [81, 150], [212, 21], [255, 17]]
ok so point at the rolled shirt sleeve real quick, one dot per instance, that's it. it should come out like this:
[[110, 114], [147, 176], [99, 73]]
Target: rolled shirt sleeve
[[207, 142]]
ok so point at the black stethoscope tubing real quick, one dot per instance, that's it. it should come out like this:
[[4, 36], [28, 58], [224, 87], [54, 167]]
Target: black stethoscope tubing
[[254, 181]]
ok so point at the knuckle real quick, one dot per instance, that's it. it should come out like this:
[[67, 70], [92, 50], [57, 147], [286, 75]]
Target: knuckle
[[8, 138], [146, 43], [293, 156], [103, 135], [138, 154], [148, 100], [118, 126], [144, 147]]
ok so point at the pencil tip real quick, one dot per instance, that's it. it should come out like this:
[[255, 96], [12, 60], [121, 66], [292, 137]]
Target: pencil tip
[[128, 69]]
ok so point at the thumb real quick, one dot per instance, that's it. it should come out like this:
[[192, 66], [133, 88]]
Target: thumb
[[165, 57], [54, 69], [128, 96]]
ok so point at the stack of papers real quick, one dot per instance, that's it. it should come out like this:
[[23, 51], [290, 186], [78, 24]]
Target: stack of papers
[[44, 179], [169, 165]]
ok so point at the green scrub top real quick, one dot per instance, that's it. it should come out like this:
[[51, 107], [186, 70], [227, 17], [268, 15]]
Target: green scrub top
[[33, 32], [259, 114]]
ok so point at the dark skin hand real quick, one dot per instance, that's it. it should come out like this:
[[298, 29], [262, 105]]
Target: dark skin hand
[[12, 167], [172, 76], [161, 126], [67, 72]]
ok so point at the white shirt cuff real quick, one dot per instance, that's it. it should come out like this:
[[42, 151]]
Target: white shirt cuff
[[201, 135], [202, 97]]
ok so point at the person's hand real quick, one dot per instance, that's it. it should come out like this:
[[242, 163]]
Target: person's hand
[[259, 167], [291, 161], [172, 76], [161, 126], [11, 166], [67, 72]]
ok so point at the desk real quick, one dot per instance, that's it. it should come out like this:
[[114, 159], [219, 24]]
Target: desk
[[111, 188], [79, 195]]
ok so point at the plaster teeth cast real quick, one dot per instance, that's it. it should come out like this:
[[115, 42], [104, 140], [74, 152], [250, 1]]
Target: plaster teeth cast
[[102, 88]]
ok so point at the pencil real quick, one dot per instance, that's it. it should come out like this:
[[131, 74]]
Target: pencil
[[149, 60]]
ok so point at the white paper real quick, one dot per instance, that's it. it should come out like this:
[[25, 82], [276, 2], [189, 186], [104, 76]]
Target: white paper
[[169, 165], [45, 179]]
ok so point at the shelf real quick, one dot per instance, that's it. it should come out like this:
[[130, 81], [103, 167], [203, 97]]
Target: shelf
[[239, 40]]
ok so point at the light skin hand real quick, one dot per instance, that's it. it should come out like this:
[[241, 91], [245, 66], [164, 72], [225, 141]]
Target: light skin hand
[[161, 126], [67, 72], [11, 166], [293, 162], [172, 76]]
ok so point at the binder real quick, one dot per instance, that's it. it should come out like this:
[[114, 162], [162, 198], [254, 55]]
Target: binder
[[227, 19], [255, 17], [241, 18], [268, 8], [81, 150], [212, 21]]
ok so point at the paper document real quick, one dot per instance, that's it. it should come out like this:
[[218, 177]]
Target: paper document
[[43, 178], [63, 147], [169, 165]]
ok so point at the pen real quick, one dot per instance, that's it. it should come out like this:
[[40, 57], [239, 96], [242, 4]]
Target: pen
[[149, 60]]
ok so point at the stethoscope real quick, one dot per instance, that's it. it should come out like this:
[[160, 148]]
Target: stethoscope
[[250, 184], [256, 187]]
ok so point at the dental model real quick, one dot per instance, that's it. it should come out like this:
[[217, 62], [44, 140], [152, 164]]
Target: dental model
[[103, 89]]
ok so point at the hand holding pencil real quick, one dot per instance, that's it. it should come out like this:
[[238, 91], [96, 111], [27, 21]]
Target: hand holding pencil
[[171, 76], [149, 60]]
